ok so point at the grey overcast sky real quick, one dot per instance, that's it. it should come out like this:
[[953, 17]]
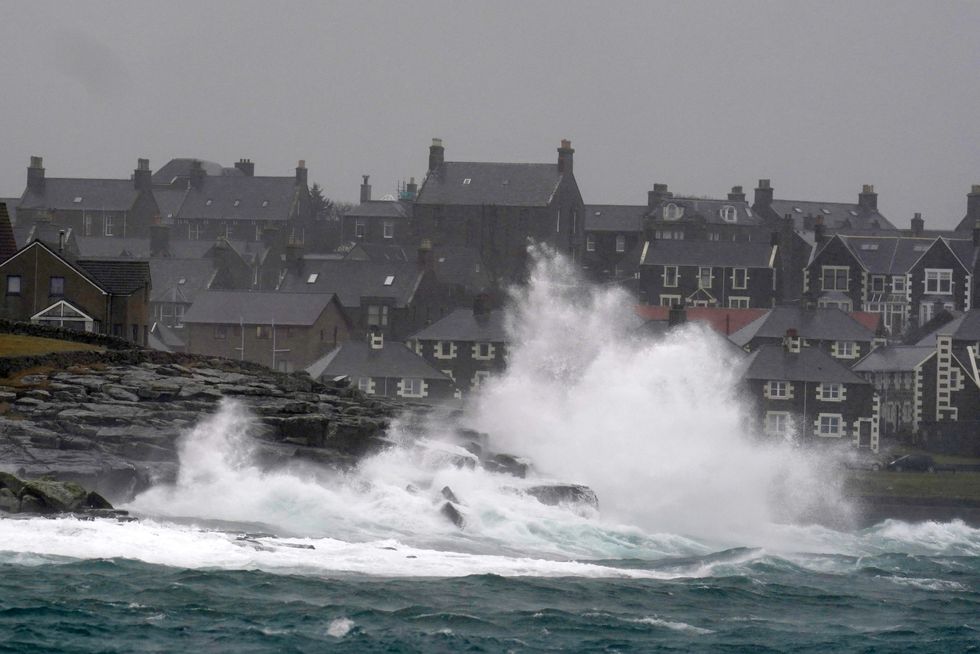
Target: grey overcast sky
[[821, 97]]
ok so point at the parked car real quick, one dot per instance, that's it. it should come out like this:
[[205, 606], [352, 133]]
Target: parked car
[[853, 459], [913, 463]]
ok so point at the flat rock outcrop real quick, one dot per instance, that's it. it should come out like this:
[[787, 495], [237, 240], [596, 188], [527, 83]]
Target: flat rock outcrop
[[111, 420]]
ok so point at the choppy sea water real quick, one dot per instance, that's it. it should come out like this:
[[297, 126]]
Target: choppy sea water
[[199, 589], [705, 538]]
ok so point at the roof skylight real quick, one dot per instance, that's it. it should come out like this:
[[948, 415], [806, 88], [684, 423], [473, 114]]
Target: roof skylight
[[265, 203], [389, 280], [208, 202], [467, 180], [237, 202], [77, 199], [182, 280], [312, 278]]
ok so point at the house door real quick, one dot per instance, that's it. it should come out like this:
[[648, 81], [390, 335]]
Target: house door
[[864, 434]]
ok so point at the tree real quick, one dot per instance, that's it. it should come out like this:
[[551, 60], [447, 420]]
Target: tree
[[323, 207]]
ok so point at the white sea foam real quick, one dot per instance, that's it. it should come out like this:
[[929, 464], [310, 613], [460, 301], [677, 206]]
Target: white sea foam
[[340, 627], [673, 625]]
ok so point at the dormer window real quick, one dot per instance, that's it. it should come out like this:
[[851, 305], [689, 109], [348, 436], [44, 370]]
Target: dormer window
[[672, 212], [729, 214]]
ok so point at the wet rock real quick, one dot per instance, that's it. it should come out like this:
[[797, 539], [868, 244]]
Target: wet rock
[[120, 393], [508, 464], [564, 494], [448, 493], [8, 501], [453, 514]]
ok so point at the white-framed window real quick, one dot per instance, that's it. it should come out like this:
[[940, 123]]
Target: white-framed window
[[620, 243], [483, 351], [843, 305], [13, 284], [449, 373], [108, 225], [740, 278], [877, 283], [672, 212], [480, 378], [830, 392], [263, 332], [898, 283], [778, 390], [389, 229], [834, 278], [365, 385], [939, 281], [444, 350], [359, 228], [778, 423], [377, 315], [670, 276], [590, 243], [714, 236], [845, 349], [830, 425], [669, 300], [729, 214], [705, 277], [412, 387], [738, 302]]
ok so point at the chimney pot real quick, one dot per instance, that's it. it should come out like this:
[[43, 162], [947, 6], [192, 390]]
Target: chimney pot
[[763, 195], [764, 183], [246, 166], [975, 188]]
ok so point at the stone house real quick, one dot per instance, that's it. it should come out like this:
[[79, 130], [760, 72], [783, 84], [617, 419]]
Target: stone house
[[394, 297], [803, 393], [837, 333], [92, 207], [897, 373], [708, 274], [468, 345], [496, 208], [284, 331], [48, 287], [387, 221], [612, 232], [385, 369], [669, 217]]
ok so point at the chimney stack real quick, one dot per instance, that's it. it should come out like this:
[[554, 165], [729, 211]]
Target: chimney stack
[[918, 225], [425, 255], [365, 189], [481, 306], [976, 233], [301, 173], [565, 158], [437, 154], [412, 189], [791, 341], [819, 231], [676, 315], [657, 195], [868, 199], [159, 241], [197, 175], [246, 166], [737, 195], [142, 177], [973, 204], [763, 195], [35, 176]]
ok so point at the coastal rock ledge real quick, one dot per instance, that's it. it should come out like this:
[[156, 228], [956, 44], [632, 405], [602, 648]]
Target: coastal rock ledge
[[110, 420]]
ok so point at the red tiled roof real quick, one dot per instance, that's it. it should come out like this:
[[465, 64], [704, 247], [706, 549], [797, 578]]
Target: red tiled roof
[[867, 319], [723, 321]]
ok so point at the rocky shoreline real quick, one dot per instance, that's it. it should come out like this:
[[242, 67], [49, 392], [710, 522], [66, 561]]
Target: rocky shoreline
[[110, 420]]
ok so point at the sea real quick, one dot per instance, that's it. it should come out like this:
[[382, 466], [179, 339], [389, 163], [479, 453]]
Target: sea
[[706, 538]]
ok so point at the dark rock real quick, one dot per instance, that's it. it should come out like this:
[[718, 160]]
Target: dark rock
[[453, 514], [120, 393], [39, 394], [8, 501], [564, 494], [31, 504], [508, 464], [448, 493]]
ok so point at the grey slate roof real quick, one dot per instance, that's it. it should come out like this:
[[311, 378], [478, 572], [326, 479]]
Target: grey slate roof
[[826, 324], [376, 252], [707, 253], [357, 359], [351, 280], [894, 358], [458, 264], [810, 364], [462, 325], [836, 215], [168, 337], [257, 308], [181, 167], [258, 198], [113, 247], [711, 210], [92, 195], [169, 202], [614, 217], [884, 254], [505, 184], [382, 209], [11, 208], [179, 280], [118, 276], [963, 327]]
